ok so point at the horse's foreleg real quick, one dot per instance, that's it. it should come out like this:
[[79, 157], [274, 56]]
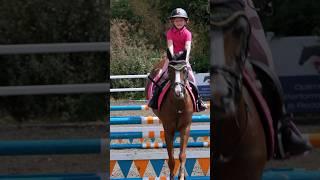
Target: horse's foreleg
[[184, 136], [169, 136]]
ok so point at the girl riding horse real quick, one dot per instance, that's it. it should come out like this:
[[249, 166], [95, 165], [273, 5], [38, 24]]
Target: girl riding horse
[[179, 46]]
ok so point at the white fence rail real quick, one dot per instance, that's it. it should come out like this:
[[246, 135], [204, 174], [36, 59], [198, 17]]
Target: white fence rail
[[54, 89], [54, 48], [128, 77], [126, 89]]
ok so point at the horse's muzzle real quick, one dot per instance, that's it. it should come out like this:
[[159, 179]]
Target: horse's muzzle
[[179, 91]]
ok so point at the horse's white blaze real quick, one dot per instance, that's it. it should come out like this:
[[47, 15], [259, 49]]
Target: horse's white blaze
[[178, 80], [177, 88]]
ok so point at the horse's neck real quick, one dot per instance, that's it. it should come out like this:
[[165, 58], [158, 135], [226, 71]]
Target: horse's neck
[[160, 64], [160, 67]]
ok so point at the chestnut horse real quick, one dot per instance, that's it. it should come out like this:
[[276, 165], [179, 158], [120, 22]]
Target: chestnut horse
[[240, 146], [176, 111]]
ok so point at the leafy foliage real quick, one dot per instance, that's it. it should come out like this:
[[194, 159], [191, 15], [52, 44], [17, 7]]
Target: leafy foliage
[[294, 18], [138, 39]]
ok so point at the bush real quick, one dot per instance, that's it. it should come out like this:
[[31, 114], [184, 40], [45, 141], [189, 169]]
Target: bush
[[130, 54], [138, 37]]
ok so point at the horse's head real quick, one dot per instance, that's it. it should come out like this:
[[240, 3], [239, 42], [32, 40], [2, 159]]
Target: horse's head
[[229, 51], [178, 76], [232, 109]]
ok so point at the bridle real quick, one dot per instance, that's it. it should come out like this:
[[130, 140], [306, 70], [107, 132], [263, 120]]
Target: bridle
[[178, 66], [234, 81], [232, 77]]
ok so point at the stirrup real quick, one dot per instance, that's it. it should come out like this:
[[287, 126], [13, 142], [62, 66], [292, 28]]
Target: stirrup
[[279, 151], [201, 105]]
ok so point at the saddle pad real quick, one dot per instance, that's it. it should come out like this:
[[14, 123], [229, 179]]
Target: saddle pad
[[263, 110], [159, 78], [151, 86]]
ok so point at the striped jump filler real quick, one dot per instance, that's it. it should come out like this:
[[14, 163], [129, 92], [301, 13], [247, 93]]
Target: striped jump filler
[[159, 167], [129, 108], [154, 164], [155, 145], [153, 134], [119, 120], [146, 133], [134, 107], [164, 178], [152, 145], [150, 120]]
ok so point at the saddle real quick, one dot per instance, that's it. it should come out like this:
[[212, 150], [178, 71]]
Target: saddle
[[270, 109], [159, 86], [159, 94], [271, 87]]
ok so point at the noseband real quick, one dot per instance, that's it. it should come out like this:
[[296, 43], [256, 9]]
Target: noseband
[[226, 70], [234, 81], [179, 65]]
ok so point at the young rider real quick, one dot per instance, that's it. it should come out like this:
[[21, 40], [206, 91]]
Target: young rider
[[179, 40]]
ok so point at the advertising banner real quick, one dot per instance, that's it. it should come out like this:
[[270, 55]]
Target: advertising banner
[[297, 63]]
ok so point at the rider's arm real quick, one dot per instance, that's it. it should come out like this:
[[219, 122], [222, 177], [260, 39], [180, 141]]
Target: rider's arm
[[170, 46], [188, 44], [188, 48]]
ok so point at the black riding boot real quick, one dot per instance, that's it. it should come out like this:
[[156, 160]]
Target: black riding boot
[[153, 103], [200, 104], [292, 143]]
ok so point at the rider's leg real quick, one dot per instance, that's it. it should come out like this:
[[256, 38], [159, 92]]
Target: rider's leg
[[258, 46], [290, 139], [191, 78], [157, 81]]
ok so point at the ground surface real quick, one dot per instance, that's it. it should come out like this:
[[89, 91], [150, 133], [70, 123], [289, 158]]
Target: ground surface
[[97, 163]]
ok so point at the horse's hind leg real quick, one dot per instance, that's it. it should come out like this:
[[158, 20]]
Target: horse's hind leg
[[184, 135], [169, 136]]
